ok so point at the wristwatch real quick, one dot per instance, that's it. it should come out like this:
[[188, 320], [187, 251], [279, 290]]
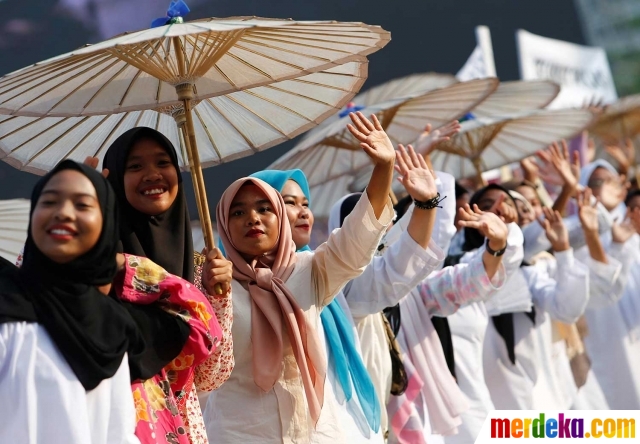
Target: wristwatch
[[493, 252]]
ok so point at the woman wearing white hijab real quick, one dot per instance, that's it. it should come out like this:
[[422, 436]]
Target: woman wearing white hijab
[[613, 342]]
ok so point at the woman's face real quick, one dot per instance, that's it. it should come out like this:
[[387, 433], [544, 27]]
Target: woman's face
[[525, 215], [67, 219], [607, 188], [506, 210], [253, 224], [532, 197], [150, 179], [298, 212]]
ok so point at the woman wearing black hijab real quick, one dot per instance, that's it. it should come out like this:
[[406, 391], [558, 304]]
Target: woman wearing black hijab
[[144, 171], [63, 342]]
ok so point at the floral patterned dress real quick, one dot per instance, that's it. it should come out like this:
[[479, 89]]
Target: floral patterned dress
[[216, 369], [160, 400], [155, 395]]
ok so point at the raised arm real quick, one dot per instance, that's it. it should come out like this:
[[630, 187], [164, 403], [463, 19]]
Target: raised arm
[[350, 249], [393, 275], [376, 144], [565, 297], [443, 230]]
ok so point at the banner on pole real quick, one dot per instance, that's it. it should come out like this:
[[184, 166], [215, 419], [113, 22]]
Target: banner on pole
[[582, 71], [480, 64]]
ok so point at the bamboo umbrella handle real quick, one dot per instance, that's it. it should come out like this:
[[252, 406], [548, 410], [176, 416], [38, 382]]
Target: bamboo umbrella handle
[[185, 94]]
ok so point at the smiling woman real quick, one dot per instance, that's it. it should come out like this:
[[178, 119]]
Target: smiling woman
[[67, 220], [143, 169], [64, 340], [150, 180]]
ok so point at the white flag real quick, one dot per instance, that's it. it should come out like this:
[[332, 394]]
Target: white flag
[[582, 71], [480, 64]]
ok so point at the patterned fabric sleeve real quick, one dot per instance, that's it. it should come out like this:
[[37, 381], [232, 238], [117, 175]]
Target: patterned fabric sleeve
[[144, 283], [213, 372], [450, 288]]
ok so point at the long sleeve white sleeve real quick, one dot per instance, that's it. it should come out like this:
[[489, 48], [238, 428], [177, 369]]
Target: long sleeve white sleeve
[[349, 249], [390, 277], [565, 298], [535, 239], [443, 229]]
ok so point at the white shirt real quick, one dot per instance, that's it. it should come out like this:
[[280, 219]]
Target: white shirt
[[239, 411], [43, 401]]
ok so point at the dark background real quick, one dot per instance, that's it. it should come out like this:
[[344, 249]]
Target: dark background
[[427, 35]]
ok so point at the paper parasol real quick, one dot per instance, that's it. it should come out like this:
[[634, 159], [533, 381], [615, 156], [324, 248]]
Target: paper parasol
[[14, 223], [330, 156], [180, 63]]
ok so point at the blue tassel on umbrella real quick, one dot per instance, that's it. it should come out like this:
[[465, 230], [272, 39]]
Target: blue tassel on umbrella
[[177, 9]]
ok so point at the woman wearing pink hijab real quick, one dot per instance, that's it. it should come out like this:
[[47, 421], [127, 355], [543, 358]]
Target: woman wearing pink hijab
[[275, 392]]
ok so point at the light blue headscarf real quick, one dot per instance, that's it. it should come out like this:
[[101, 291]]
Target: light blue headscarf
[[343, 354]]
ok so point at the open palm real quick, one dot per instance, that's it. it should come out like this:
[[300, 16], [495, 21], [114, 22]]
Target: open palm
[[415, 175]]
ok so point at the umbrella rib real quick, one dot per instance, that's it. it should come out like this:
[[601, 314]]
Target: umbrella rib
[[251, 145], [320, 42], [28, 77], [206, 129], [104, 85], [80, 122], [35, 136], [20, 230], [272, 125], [13, 253], [28, 124], [113, 130], [288, 51], [157, 115], [74, 76]]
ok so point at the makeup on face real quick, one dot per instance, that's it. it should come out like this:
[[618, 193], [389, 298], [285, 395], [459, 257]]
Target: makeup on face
[[67, 219], [253, 224], [150, 178], [298, 212]]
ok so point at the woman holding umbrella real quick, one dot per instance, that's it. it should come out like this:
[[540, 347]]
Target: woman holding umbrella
[[142, 167]]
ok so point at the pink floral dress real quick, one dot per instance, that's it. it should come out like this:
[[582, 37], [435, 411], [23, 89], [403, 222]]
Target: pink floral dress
[[160, 400], [216, 369]]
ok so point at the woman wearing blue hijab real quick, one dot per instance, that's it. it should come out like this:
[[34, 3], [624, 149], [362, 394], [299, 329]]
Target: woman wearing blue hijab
[[347, 372]]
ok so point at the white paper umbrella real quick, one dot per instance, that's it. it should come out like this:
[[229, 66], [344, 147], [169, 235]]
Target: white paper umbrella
[[184, 63], [14, 223], [330, 156], [619, 120], [483, 145], [509, 99], [227, 127], [140, 70], [517, 97]]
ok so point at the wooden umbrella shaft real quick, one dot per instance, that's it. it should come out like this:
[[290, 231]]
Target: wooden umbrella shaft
[[187, 144], [198, 178]]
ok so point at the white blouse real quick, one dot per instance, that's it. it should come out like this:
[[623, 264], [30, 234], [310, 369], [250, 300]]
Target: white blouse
[[565, 299], [239, 411], [43, 401]]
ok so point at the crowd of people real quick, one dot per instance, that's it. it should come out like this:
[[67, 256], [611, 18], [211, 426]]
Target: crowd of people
[[408, 325]]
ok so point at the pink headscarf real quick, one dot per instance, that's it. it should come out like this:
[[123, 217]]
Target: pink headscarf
[[272, 303]]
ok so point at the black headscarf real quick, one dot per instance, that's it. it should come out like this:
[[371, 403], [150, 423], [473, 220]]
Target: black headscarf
[[165, 238], [91, 330], [473, 240]]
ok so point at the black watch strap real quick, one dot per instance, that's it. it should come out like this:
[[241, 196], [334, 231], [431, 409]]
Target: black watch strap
[[493, 252]]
